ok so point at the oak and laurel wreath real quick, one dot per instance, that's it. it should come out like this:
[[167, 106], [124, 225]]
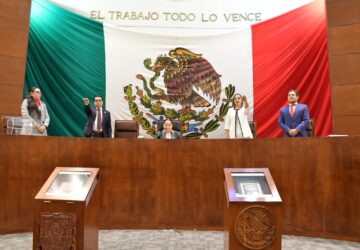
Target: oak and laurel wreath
[[151, 129]]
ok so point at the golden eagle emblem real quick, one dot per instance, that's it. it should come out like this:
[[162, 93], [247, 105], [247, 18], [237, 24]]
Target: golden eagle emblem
[[185, 73]]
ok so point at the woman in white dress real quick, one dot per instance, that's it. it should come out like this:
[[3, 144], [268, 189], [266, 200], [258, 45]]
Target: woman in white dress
[[35, 110], [236, 122]]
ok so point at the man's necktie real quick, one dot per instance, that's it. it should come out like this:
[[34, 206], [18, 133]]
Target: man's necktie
[[98, 125], [292, 108]]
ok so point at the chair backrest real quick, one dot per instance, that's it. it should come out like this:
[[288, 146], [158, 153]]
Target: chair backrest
[[310, 127], [252, 125], [126, 129], [176, 125]]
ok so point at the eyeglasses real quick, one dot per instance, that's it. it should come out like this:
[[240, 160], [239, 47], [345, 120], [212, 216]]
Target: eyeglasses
[[98, 100]]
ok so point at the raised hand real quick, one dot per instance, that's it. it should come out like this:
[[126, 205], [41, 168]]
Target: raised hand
[[86, 101]]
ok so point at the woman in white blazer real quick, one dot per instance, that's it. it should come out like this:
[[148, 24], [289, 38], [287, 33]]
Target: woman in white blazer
[[236, 122]]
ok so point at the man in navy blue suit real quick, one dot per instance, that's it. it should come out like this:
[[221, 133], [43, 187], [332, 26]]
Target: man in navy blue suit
[[294, 117], [99, 119]]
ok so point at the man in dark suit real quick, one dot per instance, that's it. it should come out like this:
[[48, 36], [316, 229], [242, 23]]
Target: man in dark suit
[[293, 117], [99, 119]]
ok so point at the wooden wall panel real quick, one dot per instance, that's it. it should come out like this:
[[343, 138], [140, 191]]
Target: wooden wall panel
[[343, 18], [179, 184], [346, 109], [13, 42], [343, 12], [15, 14], [344, 39], [12, 72], [344, 69], [347, 124], [13, 104], [346, 99], [14, 26]]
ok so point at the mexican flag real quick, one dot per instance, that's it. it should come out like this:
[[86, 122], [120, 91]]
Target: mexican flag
[[187, 74]]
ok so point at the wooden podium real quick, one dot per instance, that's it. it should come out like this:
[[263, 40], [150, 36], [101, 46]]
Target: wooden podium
[[66, 210], [252, 214]]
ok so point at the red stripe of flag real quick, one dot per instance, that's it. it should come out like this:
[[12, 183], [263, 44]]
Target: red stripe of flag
[[290, 52]]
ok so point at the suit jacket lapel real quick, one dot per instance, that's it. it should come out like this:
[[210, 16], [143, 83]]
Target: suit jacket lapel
[[103, 115]]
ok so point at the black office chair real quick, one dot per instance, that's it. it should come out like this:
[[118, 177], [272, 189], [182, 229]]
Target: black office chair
[[126, 129], [252, 125], [310, 127]]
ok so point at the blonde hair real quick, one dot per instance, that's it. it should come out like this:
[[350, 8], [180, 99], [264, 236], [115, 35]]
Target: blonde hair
[[233, 100]]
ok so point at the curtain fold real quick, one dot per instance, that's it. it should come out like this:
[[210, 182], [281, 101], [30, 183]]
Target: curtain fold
[[66, 60], [290, 52]]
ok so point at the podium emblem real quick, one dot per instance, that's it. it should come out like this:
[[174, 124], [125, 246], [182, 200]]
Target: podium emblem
[[57, 231], [255, 227]]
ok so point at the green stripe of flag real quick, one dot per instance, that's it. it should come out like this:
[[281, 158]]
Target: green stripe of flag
[[66, 60]]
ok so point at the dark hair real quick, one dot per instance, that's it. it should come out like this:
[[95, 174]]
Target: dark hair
[[33, 109], [98, 96], [31, 90], [161, 124], [233, 100], [295, 91]]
